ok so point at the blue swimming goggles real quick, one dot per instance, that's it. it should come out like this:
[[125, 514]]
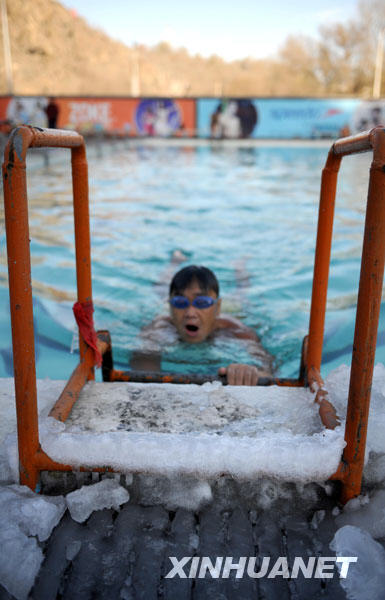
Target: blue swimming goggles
[[200, 302]]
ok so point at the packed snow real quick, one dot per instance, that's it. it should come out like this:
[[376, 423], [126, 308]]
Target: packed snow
[[203, 431], [209, 408], [199, 431]]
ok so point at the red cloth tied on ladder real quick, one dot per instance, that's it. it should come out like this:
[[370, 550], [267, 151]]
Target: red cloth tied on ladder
[[83, 315]]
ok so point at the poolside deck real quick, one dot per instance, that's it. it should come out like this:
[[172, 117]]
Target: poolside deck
[[126, 554]]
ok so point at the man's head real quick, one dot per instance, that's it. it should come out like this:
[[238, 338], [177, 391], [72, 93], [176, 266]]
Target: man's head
[[198, 288]]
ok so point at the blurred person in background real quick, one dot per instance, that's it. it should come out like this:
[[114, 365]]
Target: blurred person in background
[[52, 112]]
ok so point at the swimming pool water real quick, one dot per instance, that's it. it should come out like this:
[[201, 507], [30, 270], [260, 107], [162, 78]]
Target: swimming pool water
[[249, 213]]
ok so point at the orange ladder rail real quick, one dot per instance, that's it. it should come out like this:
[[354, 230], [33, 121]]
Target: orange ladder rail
[[20, 288], [369, 298]]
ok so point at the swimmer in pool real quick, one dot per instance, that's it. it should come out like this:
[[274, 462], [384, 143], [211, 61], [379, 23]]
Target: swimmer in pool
[[195, 317]]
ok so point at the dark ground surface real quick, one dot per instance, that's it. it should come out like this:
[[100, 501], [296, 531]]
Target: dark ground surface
[[125, 554]]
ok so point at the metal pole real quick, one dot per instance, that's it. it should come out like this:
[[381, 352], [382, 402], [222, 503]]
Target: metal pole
[[322, 262], [82, 235], [6, 47], [20, 296], [20, 288], [365, 336], [378, 66], [135, 74]]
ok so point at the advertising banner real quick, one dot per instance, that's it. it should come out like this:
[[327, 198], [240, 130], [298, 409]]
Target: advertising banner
[[105, 115], [275, 118], [124, 116], [264, 118]]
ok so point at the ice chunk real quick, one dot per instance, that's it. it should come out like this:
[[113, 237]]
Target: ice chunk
[[366, 515], [33, 514], [105, 494], [24, 514], [20, 560], [365, 578]]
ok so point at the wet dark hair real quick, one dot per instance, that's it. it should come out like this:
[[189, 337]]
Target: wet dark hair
[[205, 278]]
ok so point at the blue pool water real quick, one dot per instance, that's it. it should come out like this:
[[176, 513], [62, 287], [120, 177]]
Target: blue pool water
[[249, 213]]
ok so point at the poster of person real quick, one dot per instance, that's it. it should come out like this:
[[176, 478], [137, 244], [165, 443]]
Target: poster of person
[[278, 118], [160, 118], [233, 119]]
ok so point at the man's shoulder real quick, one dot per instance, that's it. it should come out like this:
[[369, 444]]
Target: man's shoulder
[[235, 327]]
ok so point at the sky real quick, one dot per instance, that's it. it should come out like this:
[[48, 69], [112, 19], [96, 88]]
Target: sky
[[230, 28]]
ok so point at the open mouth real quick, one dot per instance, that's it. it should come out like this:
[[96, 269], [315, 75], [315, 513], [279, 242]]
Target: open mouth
[[191, 331]]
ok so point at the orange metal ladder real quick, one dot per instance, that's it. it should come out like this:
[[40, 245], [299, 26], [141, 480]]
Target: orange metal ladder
[[32, 459]]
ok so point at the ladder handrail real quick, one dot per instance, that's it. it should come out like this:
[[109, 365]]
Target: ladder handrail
[[19, 270], [369, 296]]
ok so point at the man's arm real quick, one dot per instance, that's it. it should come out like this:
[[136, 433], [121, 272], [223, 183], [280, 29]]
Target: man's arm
[[239, 373], [148, 356]]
